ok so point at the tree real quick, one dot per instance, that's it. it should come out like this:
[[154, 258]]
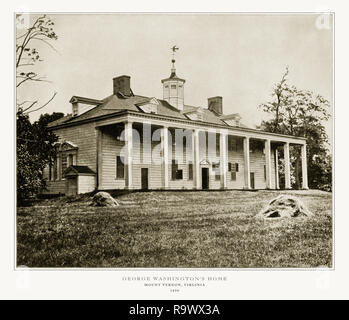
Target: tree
[[35, 150], [302, 113], [35, 144], [27, 56]]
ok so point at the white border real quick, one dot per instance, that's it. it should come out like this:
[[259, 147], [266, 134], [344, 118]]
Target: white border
[[108, 285]]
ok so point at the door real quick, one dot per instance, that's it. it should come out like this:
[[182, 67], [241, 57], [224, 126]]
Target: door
[[252, 180], [144, 174], [72, 186], [205, 179]]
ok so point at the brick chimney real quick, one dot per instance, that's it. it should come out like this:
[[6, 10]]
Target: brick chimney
[[122, 85], [215, 104]]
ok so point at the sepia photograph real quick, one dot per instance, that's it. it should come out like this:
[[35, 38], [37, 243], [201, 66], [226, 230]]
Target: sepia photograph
[[174, 140]]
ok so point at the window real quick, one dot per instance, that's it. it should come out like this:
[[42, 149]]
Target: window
[[174, 169], [233, 176], [64, 164], [265, 173], [173, 86], [215, 166], [55, 171], [256, 146], [233, 167], [184, 148], [190, 171], [70, 160], [233, 145], [176, 173], [217, 145], [179, 175], [120, 168], [216, 169], [50, 172]]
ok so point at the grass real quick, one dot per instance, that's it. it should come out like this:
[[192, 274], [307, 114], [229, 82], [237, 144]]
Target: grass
[[175, 229]]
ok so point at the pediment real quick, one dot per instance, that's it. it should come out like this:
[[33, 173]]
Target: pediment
[[204, 162], [66, 145]]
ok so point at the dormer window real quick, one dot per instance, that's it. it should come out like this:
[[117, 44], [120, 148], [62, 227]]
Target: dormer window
[[232, 120], [196, 114], [150, 106], [81, 105]]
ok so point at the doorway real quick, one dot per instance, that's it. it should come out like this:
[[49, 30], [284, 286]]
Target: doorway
[[252, 180], [144, 174], [72, 186], [205, 179]]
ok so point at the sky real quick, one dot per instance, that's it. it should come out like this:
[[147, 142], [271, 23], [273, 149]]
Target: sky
[[237, 56]]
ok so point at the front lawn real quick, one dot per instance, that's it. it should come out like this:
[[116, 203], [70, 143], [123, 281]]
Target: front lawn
[[175, 229]]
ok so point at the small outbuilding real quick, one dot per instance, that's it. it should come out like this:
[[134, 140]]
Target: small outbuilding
[[79, 179]]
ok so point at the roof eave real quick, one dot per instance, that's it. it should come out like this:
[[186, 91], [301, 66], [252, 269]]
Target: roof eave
[[157, 116]]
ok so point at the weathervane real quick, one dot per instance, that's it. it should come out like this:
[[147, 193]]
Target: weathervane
[[174, 49]]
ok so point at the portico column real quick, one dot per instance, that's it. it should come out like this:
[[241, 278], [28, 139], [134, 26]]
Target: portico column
[[59, 175], [277, 181], [304, 167], [223, 159], [196, 160], [268, 163], [99, 158], [247, 163], [164, 150], [128, 154], [287, 166]]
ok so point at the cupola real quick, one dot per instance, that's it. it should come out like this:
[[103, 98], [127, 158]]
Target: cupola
[[173, 87]]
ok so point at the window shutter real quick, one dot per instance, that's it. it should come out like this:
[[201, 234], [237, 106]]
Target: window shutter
[[190, 169], [120, 167], [174, 169], [236, 167], [265, 172]]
